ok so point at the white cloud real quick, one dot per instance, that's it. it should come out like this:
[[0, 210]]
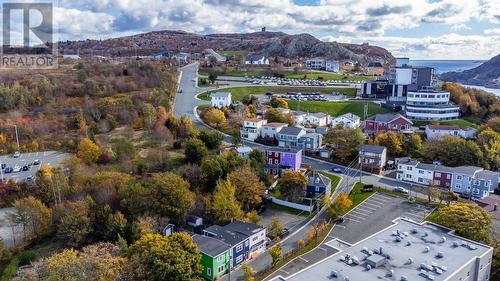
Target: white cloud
[[458, 27], [492, 31]]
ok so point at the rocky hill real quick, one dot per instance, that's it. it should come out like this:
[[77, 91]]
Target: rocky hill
[[487, 75], [268, 43]]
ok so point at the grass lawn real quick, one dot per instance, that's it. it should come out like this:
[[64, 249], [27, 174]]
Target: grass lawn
[[231, 71], [357, 196], [335, 179], [237, 93], [462, 123], [336, 108], [274, 206]]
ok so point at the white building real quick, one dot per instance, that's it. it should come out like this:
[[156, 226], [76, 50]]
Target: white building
[[221, 99], [430, 105], [332, 66], [347, 120], [244, 151], [299, 117], [315, 63], [272, 129], [256, 59], [436, 131], [318, 119], [413, 171], [212, 53], [251, 128]]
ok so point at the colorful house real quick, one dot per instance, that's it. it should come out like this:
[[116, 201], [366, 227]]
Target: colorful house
[[256, 235], [239, 243], [381, 123], [317, 185], [372, 157], [215, 258], [279, 159]]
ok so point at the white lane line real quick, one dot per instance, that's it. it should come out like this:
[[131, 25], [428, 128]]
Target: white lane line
[[355, 216], [380, 201], [341, 226], [372, 204], [366, 207], [360, 214], [351, 219], [303, 259], [287, 273]]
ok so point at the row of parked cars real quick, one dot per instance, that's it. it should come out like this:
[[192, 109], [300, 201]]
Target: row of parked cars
[[304, 97], [18, 168], [295, 82]]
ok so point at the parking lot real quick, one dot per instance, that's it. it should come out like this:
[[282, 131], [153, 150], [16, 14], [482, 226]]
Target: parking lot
[[53, 158], [372, 215]]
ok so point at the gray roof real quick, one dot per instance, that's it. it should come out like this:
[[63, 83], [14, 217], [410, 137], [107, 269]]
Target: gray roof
[[467, 170], [407, 161], [292, 131], [413, 237], [221, 94], [230, 237], [312, 135], [210, 246], [244, 228], [322, 130], [283, 149], [319, 115], [297, 113], [436, 168], [254, 57], [486, 175], [351, 116], [372, 148], [316, 179]]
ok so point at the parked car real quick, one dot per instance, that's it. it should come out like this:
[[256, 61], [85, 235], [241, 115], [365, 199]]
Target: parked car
[[284, 233], [26, 168], [17, 169], [337, 169], [8, 170], [36, 162], [30, 178], [3, 166], [401, 189], [16, 154]]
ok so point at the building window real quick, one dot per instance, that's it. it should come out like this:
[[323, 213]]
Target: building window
[[220, 269], [219, 258], [239, 259], [437, 175], [459, 177], [239, 248], [209, 271], [317, 188], [420, 171]]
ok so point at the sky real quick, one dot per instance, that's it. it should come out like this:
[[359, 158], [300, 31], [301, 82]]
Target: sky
[[419, 29]]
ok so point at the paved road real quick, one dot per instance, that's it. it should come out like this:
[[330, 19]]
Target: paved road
[[184, 106], [52, 158]]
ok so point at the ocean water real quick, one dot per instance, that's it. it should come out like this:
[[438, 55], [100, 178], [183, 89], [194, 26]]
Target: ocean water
[[441, 66]]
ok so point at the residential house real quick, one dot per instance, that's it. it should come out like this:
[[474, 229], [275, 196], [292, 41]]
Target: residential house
[[182, 58], [332, 66], [244, 151], [321, 130], [290, 136], [372, 157], [271, 130], [218, 57], [315, 63], [311, 141], [239, 243], [317, 185], [347, 120], [299, 117], [160, 55], [375, 68], [381, 123], [221, 99], [215, 257], [491, 204], [251, 128], [256, 234], [255, 59], [436, 131], [318, 119], [279, 159], [469, 181]]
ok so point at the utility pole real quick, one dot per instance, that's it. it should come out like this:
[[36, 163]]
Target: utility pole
[[1, 171], [17, 139]]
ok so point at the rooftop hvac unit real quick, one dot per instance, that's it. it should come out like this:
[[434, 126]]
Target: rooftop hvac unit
[[404, 278], [346, 278], [414, 231], [455, 244], [439, 255], [410, 261], [443, 239], [355, 260], [334, 274], [390, 273], [427, 249], [408, 243], [368, 267], [398, 239]]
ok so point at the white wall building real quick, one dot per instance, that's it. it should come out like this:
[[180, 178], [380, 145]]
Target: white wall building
[[347, 120], [251, 128], [315, 63], [437, 131], [220, 99], [271, 130], [318, 119], [430, 105], [256, 60], [332, 66]]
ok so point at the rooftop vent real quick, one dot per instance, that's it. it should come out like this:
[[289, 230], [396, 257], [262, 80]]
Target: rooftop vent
[[455, 244], [408, 243], [355, 260], [439, 255], [334, 274], [410, 261], [398, 239], [346, 278], [426, 234], [368, 267], [414, 230], [390, 273], [404, 278], [427, 249], [443, 239]]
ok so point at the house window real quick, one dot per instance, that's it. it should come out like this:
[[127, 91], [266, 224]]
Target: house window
[[408, 176], [239, 259], [209, 271], [219, 258], [220, 269], [239, 248], [420, 171], [409, 168], [317, 188], [437, 175], [448, 176], [476, 182], [458, 186], [459, 177]]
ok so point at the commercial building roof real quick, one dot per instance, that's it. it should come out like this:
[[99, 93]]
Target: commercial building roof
[[406, 250], [210, 246]]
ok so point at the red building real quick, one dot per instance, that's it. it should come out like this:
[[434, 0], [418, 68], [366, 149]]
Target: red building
[[382, 123]]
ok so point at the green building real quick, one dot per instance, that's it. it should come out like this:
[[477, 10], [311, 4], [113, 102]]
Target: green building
[[214, 256]]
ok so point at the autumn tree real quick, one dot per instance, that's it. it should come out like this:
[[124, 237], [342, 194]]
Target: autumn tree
[[106, 224], [88, 151], [433, 193], [53, 185], [453, 151], [34, 216], [74, 222], [195, 150], [168, 195], [413, 145], [275, 229], [157, 258], [345, 141], [489, 142], [278, 103], [215, 117], [143, 225], [224, 205], [275, 253], [253, 217], [468, 220], [5, 253], [212, 139], [392, 141], [249, 188], [292, 185], [339, 206], [276, 115], [248, 273]]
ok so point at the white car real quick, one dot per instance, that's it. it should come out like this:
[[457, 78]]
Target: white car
[[17, 169], [401, 189], [16, 154]]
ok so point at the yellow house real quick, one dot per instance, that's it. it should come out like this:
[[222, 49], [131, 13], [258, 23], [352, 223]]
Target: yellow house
[[375, 68]]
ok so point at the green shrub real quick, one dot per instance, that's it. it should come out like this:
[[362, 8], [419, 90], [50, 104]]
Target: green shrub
[[26, 257]]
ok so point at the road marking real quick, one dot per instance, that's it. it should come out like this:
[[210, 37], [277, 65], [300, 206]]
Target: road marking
[[360, 214], [303, 259], [366, 207], [337, 225], [380, 201], [287, 273], [369, 203], [351, 219]]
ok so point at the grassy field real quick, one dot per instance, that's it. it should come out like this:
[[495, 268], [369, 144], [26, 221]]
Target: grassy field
[[238, 93], [316, 75], [357, 196], [337, 108], [462, 123]]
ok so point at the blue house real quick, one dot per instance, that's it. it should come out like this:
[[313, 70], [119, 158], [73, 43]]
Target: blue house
[[317, 185], [240, 243], [162, 54]]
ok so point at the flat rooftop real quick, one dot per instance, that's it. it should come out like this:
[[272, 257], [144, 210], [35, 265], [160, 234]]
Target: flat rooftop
[[427, 245]]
